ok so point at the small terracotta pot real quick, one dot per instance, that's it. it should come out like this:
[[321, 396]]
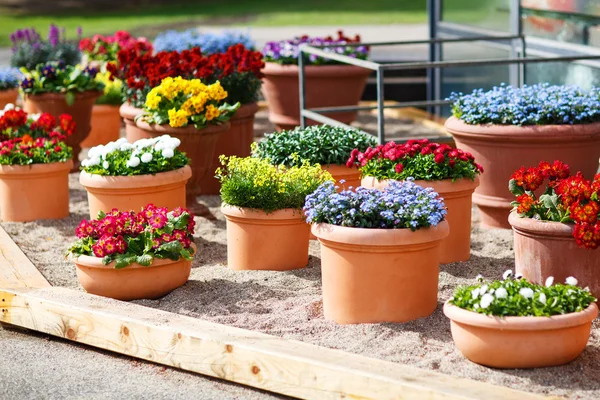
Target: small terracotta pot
[[132, 132], [520, 342], [106, 125], [545, 248], [502, 149], [235, 141], [457, 197], [277, 241], [29, 106], [8, 97], [339, 172], [125, 193], [326, 86], [81, 111], [32, 192], [134, 281], [379, 275]]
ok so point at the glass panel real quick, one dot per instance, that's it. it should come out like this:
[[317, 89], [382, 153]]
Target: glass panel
[[489, 14], [562, 74]]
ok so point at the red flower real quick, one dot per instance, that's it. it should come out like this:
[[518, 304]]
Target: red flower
[[526, 203], [584, 212], [399, 168], [439, 158], [158, 220], [67, 125]]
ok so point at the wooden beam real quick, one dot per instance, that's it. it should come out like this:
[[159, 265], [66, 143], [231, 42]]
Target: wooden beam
[[250, 358], [15, 268]]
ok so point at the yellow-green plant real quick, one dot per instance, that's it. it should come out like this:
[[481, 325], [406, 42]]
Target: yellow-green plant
[[112, 90]]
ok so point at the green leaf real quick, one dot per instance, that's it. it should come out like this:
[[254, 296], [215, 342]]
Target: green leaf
[[145, 260], [101, 215], [171, 247], [514, 188], [107, 260], [124, 260], [182, 221], [70, 98], [185, 253]]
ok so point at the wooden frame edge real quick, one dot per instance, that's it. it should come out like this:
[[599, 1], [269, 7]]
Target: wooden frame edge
[[16, 270]]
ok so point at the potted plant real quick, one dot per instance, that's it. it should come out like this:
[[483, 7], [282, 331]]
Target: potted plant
[[452, 173], [507, 127], [208, 42], [556, 232], [329, 146], [34, 165], [127, 255], [194, 113], [380, 251], [127, 176], [517, 324], [57, 88], [328, 83], [99, 50], [106, 120], [263, 203], [9, 84]]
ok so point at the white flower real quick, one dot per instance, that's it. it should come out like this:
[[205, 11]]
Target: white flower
[[519, 276], [105, 165], [483, 289], [133, 162], [501, 293], [9, 106], [476, 306], [125, 146], [121, 141], [475, 293], [542, 298], [34, 117], [94, 161], [507, 274], [486, 300], [167, 153], [95, 151], [571, 281], [525, 292], [85, 163], [491, 291], [146, 157], [549, 281], [479, 278]]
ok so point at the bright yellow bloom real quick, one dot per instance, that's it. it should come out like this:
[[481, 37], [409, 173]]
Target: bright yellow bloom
[[177, 118], [212, 112], [216, 91], [153, 100]]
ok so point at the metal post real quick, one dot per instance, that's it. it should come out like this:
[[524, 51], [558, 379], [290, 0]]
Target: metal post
[[522, 74], [515, 70], [301, 88], [380, 109], [434, 8]]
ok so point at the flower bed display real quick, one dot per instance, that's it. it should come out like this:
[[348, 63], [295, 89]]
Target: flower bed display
[[9, 82]]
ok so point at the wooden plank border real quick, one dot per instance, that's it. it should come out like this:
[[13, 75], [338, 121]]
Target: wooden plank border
[[16, 270]]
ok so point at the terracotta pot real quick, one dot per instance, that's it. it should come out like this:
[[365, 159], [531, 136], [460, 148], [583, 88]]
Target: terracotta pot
[[457, 197], [81, 111], [520, 342], [30, 107], [379, 275], [339, 172], [235, 141], [326, 86], [544, 248], [32, 192], [132, 132], [125, 193], [8, 97], [106, 125], [134, 281], [277, 241], [502, 149], [199, 146]]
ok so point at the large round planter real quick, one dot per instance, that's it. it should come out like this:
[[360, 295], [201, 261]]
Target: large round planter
[[379, 275], [132, 132], [32, 192], [81, 111], [106, 125], [8, 97], [134, 281], [125, 193], [502, 149], [544, 249], [199, 146], [277, 241], [457, 197], [325, 86], [235, 141], [520, 342]]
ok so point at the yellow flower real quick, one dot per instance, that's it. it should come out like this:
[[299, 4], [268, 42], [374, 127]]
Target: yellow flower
[[177, 118], [216, 91], [152, 100], [212, 112], [199, 101]]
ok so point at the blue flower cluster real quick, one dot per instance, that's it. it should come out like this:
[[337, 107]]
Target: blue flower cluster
[[402, 204], [9, 78], [539, 104], [286, 52], [209, 43]]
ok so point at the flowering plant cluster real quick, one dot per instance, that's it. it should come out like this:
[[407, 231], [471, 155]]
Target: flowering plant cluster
[[287, 51], [516, 297], [180, 102], [539, 104], [105, 48], [9, 78], [256, 183], [400, 205], [566, 199], [209, 43], [419, 159], [29, 49], [112, 90], [319, 144], [127, 237], [145, 156], [57, 77]]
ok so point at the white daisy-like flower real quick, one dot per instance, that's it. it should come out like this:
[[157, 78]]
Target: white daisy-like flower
[[549, 281], [507, 274], [479, 278], [571, 281], [133, 162], [146, 157], [85, 163], [501, 293], [483, 289], [95, 151], [121, 141], [475, 293], [105, 165], [125, 146], [167, 153], [9, 106], [542, 299], [486, 300], [525, 292]]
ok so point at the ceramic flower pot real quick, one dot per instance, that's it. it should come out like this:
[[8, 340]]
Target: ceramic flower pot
[[81, 111], [520, 342], [165, 189], [199, 146], [235, 141], [339, 172], [277, 241], [32, 192], [134, 281], [8, 96], [544, 249], [503, 149], [326, 86], [128, 113], [106, 125], [379, 275]]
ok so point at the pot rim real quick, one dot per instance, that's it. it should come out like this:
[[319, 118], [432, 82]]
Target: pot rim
[[272, 68], [244, 213], [246, 110], [190, 129], [106, 107], [127, 111], [40, 168], [138, 181], [96, 262], [442, 186], [54, 95], [457, 314], [543, 228]]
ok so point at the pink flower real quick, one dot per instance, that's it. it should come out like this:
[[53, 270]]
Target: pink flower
[[166, 238], [399, 168], [158, 221]]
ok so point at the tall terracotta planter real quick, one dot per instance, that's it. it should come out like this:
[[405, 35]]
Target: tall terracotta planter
[[379, 275], [326, 86], [544, 249], [128, 113], [106, 125], [81, 111], [8, 97], [502, 149], [235, 141], [339, 172], [277, 241], [199, 146], [520, 342], [32, 192], [165, 189]]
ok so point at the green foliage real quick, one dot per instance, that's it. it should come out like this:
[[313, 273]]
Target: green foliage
[[40, 151]]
